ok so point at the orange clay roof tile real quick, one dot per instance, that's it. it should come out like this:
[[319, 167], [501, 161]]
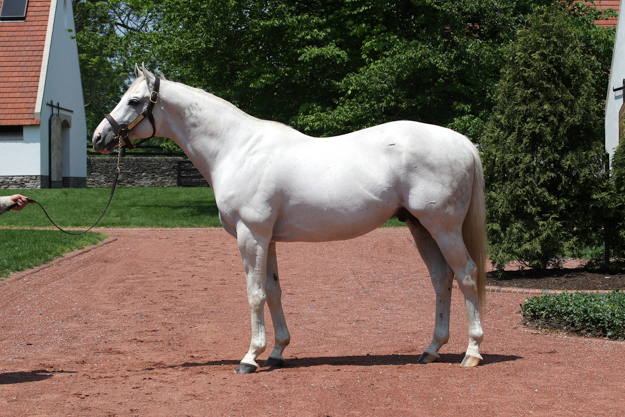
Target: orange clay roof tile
[[21, 52]]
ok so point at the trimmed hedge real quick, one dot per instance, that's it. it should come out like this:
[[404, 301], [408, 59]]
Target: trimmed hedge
[[588, 314]]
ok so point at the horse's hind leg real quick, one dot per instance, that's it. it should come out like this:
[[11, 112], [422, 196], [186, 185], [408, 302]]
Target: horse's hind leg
[[442, 277], [274, 295], [453, 248]]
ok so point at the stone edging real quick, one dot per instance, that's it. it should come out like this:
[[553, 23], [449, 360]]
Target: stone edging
[[56, 261], [530, 291]]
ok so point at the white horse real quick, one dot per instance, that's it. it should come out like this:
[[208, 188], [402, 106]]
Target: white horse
[[274, 184]]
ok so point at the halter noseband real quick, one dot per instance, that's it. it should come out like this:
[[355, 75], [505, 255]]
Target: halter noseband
[[121, 131]]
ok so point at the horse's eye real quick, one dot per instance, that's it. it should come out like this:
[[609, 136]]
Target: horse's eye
[[133, 102]]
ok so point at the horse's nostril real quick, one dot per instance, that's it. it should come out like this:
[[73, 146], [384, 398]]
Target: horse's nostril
[[97, 142]]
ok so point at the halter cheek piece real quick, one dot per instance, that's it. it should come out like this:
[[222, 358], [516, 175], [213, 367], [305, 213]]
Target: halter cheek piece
[[121, 130]]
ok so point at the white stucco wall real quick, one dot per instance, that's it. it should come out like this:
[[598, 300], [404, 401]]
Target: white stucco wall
[[62, 85], [614, 100], [21, 157]]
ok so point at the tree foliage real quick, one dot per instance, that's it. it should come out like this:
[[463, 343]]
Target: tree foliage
[[109, 36], [543, 154], [332, 67], [322, 67]]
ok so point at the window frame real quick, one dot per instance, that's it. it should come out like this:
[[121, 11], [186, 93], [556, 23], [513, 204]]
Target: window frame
[[11, 6], [11, 133]]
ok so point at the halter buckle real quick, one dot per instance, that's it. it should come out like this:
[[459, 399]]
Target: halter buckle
[[154, 97]]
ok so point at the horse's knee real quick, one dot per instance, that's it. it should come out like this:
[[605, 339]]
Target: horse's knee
[[256, 298]]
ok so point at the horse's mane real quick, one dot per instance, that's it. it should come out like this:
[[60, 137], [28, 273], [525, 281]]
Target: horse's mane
[[220, 101], [209, 95]]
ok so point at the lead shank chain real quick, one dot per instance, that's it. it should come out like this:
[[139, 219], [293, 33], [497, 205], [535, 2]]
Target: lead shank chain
[[119, 154]]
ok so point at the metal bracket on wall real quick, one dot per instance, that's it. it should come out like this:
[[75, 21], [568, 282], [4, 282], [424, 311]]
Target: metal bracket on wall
[[58, 107]]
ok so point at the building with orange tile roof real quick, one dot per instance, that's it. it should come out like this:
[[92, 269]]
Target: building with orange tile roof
[[604, 5], [43, 129], [614, 107]]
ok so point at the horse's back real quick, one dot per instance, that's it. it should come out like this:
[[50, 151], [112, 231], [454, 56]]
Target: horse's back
[[399, 161], [342, 187]]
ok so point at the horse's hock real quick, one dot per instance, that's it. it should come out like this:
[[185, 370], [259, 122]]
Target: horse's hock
[[143, 172]]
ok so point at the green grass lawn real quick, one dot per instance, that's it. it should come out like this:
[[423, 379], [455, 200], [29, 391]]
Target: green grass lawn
[[24, 249], [21, 248], [131, 207]]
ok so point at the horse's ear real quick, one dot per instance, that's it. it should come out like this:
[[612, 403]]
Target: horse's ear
[[137, 71], [149, 77]]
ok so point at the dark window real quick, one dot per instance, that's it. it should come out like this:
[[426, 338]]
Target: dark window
[[13, 10], [11, 133]]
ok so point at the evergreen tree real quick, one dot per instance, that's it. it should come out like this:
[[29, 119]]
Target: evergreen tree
[[543, 150]]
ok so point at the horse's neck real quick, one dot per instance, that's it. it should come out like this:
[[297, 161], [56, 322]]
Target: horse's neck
[[206, 127]]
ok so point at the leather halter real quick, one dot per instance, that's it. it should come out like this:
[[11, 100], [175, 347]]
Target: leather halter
[[121, 130]]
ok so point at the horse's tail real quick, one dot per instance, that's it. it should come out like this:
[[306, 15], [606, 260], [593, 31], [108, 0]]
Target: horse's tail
[[474, 226]]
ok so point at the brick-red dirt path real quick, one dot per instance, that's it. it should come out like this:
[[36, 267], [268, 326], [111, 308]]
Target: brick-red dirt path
[[154, 323]]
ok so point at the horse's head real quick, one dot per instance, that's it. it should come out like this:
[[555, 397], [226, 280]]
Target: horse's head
[[127, 118]]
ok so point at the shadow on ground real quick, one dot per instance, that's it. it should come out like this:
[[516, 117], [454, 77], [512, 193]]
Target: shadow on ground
[[366, 360], [10, 378]]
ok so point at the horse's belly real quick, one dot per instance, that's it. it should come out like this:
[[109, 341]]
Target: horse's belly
[[315, 225]]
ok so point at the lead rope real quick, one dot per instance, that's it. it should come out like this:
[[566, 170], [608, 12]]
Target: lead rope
[[117, 172]]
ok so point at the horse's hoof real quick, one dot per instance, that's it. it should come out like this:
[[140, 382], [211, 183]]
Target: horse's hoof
[[245, 368], [274, 363], [427, 357], [471, 361]]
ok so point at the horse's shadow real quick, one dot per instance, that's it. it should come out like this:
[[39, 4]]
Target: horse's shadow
[[366, 360], [10, 378]]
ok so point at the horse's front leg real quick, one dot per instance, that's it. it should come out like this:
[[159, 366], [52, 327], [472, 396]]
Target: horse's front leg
[[274, 301], [254, 248]]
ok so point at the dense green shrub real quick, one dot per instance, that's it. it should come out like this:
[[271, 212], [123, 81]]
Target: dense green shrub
[[589, 314], [543, 152]]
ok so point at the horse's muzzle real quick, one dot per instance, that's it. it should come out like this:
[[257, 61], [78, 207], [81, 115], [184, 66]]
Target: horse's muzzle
[[100, 145]]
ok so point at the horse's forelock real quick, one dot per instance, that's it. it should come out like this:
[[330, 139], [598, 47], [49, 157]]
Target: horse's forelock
[[135, 83]]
